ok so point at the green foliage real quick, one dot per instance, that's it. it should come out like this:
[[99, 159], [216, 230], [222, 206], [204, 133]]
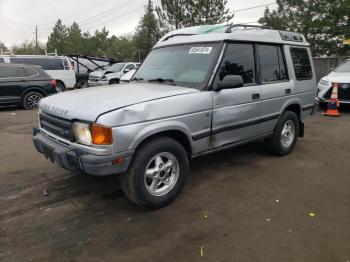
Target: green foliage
[[58, 38], [28, 48], [74, 44], [174, 14], [147, 32], [324, 23]]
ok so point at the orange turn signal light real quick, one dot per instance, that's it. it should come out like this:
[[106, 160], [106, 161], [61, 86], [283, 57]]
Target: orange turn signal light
[[101, 135]]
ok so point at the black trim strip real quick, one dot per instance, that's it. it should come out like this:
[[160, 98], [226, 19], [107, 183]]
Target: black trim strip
[[305, 108], [235, 126], [246, 124]]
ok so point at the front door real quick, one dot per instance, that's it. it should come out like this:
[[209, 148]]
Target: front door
[[237, 111]]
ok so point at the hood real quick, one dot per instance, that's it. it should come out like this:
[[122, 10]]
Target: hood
[[338, 77], [88, 103], [99, 73]]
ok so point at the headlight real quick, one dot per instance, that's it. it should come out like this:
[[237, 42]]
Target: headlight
[[82, 133], [104, 78], [92, 134], [324, 82]]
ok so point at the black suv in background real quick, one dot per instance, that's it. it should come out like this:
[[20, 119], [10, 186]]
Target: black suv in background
[[24, 85]]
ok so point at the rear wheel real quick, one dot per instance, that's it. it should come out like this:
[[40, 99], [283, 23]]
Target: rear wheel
[[60, 87], [82, 83], [31, 100], [285, 135], [157, 174]]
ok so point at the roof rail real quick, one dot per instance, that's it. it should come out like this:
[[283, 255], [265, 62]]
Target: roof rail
[[171, 36], [228, 30]]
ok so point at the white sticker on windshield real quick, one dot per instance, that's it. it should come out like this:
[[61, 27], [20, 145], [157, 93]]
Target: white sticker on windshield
[[206, 50]]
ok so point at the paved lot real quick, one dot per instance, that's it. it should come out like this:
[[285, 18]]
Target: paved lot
[[257, 205]]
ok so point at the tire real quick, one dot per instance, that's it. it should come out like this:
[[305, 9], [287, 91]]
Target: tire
[[31, 100], [60, 87], [138, 186], [280, 144], [82, 83], [114, 82]]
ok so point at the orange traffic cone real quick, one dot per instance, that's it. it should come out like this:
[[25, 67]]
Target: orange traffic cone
[[333, 103]]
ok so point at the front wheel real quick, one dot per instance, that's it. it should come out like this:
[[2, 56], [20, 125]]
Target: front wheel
[[157, 174], [114, 82], [285, 134]]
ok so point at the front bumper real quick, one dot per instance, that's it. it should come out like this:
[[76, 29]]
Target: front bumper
[[76, 159], [99, 83]]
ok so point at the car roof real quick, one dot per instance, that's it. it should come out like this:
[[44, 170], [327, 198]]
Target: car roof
[[17, 65], [218, 33], [34, 56]]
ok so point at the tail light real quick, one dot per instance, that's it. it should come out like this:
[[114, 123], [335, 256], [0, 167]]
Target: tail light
[[53, 83], [101, 135]]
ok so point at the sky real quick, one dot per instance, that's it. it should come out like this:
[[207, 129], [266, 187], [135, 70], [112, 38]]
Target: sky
[[18, 18]]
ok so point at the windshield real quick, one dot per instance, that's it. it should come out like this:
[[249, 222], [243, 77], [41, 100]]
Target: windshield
[[116, 67], [344, 68], [185, 65]]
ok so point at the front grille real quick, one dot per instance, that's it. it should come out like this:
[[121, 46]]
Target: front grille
[[343, 92], [93, 78], [57, 126]]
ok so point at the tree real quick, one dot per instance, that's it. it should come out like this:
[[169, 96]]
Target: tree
[[324, 23], [100, 42], [3, 47], [147, 32], [29, 48], [122, 48], [206, 12], [174, 14], [74, 43], [58, 38]]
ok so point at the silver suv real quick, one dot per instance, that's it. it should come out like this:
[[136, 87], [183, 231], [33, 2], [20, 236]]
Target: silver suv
[[200, 90]]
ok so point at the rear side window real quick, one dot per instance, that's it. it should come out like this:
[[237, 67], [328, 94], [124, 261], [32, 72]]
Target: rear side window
[[2, 60], [273, 67], [30, 71], [301, 62], [11, 72], [45, 63], [238, 60]]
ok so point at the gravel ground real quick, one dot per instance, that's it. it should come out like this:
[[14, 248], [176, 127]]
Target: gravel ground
[[238, 205]]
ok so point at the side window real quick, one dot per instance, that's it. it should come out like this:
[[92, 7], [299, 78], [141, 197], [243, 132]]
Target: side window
[[2, 60], [238, 60], [11, 72], [273, 67], [45, 63], [130, 67], [30, 71], [301, 62]]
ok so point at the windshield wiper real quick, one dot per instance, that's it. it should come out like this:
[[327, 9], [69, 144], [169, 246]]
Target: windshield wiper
[[162, 80]]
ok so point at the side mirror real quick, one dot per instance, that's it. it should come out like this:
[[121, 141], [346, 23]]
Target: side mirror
[[126, 70], [230, 81]]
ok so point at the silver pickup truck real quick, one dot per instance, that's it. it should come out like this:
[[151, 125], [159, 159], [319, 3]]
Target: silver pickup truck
[[200, 90]]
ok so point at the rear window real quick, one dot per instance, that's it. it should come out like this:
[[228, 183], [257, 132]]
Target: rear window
[[11, 72], [301, 62], [30, 71], [45, 63]]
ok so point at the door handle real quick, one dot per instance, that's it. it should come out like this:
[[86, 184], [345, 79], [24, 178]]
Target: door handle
[[255, 96], [288, 91]]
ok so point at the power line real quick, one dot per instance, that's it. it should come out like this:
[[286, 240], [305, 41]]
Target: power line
[[252, 7], [115, 18]]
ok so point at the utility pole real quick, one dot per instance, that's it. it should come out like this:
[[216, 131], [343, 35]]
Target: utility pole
[[36, 37]]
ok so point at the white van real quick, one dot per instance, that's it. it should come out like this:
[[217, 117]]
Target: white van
[[58, 67]]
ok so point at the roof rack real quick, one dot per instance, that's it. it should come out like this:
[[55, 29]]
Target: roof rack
[[228, 30]]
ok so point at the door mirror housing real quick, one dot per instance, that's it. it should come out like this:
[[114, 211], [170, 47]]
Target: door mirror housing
[[126, 70], [230, 81]]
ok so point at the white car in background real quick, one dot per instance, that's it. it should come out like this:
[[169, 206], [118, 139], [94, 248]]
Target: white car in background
[[340, 75], [127, 77], [111, 75], [58, 67]]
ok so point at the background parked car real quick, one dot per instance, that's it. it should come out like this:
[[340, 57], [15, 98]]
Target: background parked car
[[340, 75], [58, 67], [24, 85], [112, 75], [127, 77]]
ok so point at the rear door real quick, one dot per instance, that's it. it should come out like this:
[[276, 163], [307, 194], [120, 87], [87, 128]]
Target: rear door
[[276, 86], [12, 81], [237, 112]]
